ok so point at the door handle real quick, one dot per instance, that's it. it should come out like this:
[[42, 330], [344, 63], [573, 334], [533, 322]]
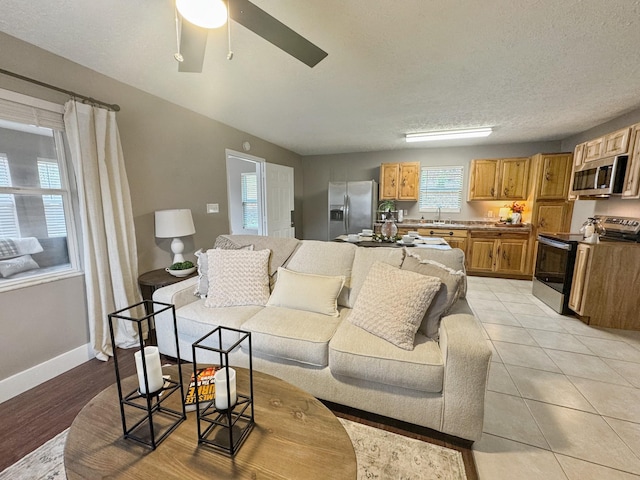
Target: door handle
[[346, 214], [293, 222]]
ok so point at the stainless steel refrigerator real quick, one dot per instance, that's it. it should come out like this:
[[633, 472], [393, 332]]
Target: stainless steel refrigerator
[[352, 206]]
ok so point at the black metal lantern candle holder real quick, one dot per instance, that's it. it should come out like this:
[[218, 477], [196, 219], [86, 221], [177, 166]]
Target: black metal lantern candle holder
[[225, 423], [146, 415]]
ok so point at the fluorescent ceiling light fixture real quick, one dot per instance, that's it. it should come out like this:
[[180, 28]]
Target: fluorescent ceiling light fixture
[[448, 134]]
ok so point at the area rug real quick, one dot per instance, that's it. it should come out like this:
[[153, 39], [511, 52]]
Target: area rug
[[381, 455]]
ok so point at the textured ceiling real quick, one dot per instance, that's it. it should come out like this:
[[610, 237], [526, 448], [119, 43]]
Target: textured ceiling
[[540, 72]]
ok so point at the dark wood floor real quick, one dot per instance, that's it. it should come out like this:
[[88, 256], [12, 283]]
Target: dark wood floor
[[30, 419]]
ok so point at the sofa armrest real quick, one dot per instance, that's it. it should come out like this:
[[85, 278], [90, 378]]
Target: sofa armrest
[[466, 367], [178, 294]]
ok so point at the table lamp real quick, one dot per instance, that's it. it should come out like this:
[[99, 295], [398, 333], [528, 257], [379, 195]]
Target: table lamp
[[175, 224]]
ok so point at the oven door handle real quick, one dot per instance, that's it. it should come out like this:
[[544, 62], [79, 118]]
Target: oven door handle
[[554, 243]]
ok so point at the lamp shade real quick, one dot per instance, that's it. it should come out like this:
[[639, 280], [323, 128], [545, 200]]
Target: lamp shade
[[174, 223]]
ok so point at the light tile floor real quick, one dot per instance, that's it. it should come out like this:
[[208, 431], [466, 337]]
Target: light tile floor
[[563, 399]]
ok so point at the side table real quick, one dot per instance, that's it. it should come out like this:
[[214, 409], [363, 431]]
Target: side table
[[149, 282]]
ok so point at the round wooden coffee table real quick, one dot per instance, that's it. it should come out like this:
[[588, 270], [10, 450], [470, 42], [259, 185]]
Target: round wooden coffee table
[[295, 437]]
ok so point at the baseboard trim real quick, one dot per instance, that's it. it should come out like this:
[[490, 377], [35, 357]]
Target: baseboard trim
[[34, 376]]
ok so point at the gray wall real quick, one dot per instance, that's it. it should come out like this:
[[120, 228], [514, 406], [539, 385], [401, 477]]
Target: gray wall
[[174, 159], [319, 170]]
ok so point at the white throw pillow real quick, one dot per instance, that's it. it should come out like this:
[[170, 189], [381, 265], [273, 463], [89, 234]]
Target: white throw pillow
[[17, 265], [306, 291], [392, 302], [202, 287], [238, 277]]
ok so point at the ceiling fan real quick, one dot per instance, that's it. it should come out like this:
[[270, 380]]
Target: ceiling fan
[[193, 38]]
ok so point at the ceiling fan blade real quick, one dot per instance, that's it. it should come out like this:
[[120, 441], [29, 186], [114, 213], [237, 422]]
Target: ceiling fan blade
[[261, 23], [193, 41]]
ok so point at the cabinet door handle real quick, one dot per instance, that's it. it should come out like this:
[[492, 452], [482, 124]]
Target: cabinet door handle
[[542, 223], [450, 233], [493, 192], [547, 176], [506, 192], [393, 182]]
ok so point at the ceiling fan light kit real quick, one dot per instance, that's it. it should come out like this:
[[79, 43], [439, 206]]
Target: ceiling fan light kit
[[448, 134], [203, 13]]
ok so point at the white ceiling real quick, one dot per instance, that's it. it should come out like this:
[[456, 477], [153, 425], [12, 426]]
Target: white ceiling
[[536, 70]]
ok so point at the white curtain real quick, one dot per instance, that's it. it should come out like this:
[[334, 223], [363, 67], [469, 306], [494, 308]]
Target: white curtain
[[108, 236]]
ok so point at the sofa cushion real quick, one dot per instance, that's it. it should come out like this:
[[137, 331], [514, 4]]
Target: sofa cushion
[[392, 303], [292, 334], [356, 353], [364, 258], [196, 320], [238, 277], [306, 291], [450, 289], [325, 258]]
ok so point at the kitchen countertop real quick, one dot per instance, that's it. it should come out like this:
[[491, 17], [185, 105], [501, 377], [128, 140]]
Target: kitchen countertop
[[462, 225]]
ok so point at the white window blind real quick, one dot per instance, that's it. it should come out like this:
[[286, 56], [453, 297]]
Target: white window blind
[[441, 188], [249, 201], [8, 218], [49, 174]]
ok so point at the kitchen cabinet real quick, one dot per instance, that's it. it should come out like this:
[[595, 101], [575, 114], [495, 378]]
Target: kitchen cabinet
[[550, 209], [500, 254], [614, 143], [499, 179], [632, 177], [604, 286], [400, 181], [551, 174], [455, 238]]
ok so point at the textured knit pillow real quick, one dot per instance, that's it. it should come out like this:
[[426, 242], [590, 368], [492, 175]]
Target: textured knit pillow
[[238, 277], [392, 302], [307, 291], [202, 287], [452, 284]]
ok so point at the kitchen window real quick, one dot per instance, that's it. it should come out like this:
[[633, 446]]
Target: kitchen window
[[441, 189], [37, 240]]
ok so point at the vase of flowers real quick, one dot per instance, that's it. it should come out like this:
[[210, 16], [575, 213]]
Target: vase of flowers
[[516, 212]]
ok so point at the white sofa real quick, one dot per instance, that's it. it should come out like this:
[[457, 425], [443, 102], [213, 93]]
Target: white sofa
[[440, 384]]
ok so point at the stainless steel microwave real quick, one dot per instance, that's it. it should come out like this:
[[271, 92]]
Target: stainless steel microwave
[[602, 177]]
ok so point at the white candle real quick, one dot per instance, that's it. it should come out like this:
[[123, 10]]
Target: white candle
[[154, 369], [222, 402]]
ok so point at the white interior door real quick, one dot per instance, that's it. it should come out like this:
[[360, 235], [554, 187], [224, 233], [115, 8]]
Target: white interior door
[[279, 200]]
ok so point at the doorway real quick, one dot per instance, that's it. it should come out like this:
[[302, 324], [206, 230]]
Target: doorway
[[260, 196]]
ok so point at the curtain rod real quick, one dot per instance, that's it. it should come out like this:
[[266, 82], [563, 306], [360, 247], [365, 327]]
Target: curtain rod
[[114, 107]]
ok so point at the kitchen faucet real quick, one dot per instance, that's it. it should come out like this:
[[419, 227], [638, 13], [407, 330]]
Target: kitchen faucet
[[439, 211]]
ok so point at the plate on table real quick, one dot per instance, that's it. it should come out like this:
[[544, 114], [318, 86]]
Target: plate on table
[[412, 244]]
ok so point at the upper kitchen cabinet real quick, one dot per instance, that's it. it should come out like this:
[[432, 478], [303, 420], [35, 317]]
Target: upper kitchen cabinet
[[499, 179], [400, 181], [551, 173], [614, 143], [631, 187]]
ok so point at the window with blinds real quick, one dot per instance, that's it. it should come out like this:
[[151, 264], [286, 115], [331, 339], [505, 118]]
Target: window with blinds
[[35, 197], [441, 188], [8, 218], [49, 174], [249, 201]]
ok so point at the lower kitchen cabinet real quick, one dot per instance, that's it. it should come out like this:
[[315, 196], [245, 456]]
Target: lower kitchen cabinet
[[604, 290], [497, 254]]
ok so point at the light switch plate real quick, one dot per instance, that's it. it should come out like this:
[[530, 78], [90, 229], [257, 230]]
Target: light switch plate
[[213, 208]]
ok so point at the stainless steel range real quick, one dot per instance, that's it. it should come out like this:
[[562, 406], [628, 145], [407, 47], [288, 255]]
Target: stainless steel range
[[557, 254]]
